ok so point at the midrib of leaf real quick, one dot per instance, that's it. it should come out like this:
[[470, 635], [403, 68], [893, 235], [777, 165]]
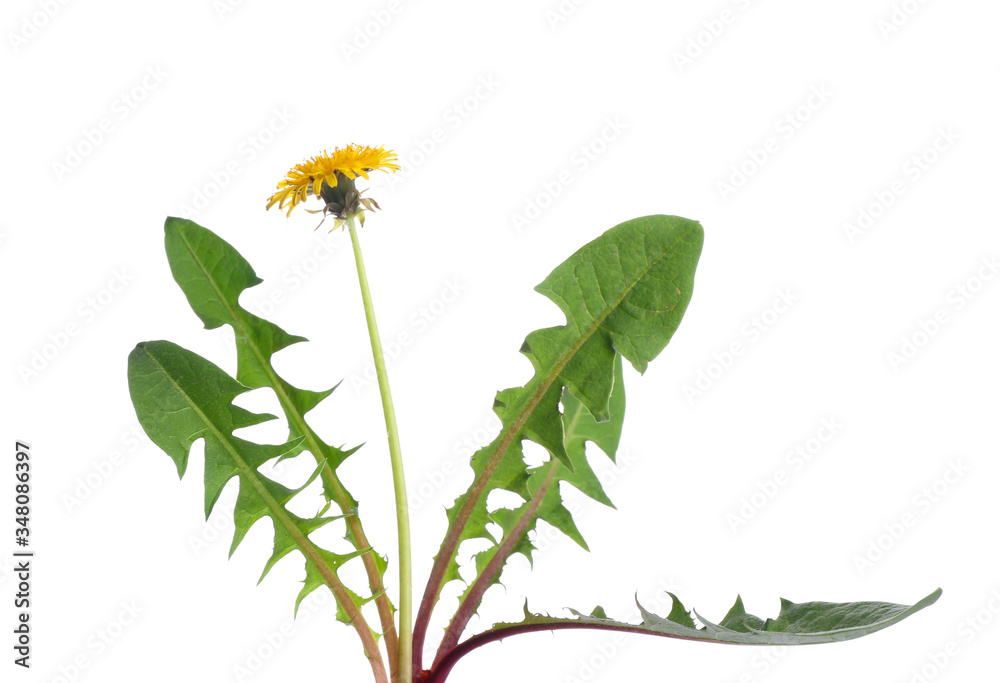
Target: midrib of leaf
[[357, 532], [572, 425], [305, 545], [716, 634], [485, 579], [275, 381], [454, 532]]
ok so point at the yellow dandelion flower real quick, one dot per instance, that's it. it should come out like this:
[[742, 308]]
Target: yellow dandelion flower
[[331, 177]]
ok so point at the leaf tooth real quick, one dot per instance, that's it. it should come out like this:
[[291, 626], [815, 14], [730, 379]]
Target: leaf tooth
[[648, 618], [738, 620], [250, 507], [307, 399], [298, 450], [715, 629], [312, 477], [284, 543], [218, 472], [678, 613], [219, 469], [314, 580], [555, 513]]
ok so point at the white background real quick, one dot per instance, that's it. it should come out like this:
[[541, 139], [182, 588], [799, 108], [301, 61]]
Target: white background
[[524, 130]]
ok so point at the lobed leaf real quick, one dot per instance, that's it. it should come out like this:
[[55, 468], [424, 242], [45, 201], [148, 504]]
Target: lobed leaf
[[623, 294], [213, 275], [796, 624], [181, 398], [579, 427], [805, 623]]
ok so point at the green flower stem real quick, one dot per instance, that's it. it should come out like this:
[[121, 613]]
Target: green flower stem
[[405, 667]]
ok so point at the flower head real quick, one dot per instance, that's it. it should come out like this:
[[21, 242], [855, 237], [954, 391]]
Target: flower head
[[331, 177]]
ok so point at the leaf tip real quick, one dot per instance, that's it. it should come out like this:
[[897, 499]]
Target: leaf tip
[[172, 223]]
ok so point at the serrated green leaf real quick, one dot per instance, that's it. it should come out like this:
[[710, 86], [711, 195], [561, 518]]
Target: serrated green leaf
[[624, 293], [579, 427], [314, 580], [181, 398], [796, 624], [213, 276]]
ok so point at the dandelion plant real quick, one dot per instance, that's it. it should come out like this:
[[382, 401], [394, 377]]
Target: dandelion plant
[[623, 296]]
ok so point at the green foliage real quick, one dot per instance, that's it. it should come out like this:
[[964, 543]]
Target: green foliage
[[804, 623], [213, 276], [579, 426], [180, 398], [797, 624], [623, 295]]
